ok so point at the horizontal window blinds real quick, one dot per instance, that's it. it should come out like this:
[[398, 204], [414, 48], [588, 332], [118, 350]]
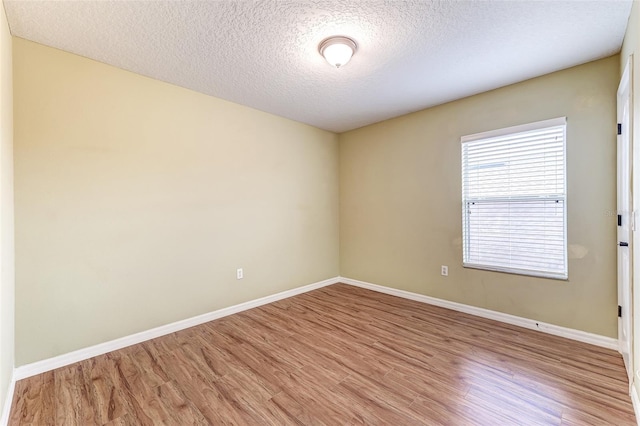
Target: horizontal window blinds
[[514, 200]]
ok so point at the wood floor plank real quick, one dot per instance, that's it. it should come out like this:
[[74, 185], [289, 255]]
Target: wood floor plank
[[33, 402], [367, 398], [178, 406], [337, 355], [72, 399], [202, 391], [442, 411], [108, 398], [126, 420]]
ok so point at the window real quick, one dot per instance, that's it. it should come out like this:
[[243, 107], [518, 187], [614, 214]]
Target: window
[[514, 200]]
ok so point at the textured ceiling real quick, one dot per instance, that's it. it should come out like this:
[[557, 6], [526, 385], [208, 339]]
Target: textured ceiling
[[263, 54]]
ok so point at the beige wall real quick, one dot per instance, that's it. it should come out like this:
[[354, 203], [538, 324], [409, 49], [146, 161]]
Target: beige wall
[[6, 211], [137, 200], [400, 200], [630, 46]]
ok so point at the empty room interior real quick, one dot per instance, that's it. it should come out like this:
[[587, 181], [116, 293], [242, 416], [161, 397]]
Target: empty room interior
[[329, 212]]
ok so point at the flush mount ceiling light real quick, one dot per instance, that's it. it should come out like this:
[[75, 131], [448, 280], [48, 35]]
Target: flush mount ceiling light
[[337, 50]]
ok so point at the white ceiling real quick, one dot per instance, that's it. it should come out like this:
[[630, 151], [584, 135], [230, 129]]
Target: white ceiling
[[263, 54]]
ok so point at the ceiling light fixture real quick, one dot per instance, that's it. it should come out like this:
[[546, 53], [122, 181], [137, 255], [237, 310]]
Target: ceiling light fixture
[[338, 50]]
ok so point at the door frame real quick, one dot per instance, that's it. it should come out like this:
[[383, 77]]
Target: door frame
[[626, 217]]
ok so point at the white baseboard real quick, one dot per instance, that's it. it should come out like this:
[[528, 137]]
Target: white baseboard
[[636, 403], [8, 400], [569, 333], [49, 364]]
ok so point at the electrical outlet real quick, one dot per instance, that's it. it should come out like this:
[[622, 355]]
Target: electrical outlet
[[239, 274], [444, 270]]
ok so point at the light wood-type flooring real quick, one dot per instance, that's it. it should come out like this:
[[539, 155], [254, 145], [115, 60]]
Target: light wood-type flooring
[[334, 356]]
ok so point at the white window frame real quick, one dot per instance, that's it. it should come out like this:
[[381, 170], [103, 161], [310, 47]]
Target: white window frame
[[561, 121]]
